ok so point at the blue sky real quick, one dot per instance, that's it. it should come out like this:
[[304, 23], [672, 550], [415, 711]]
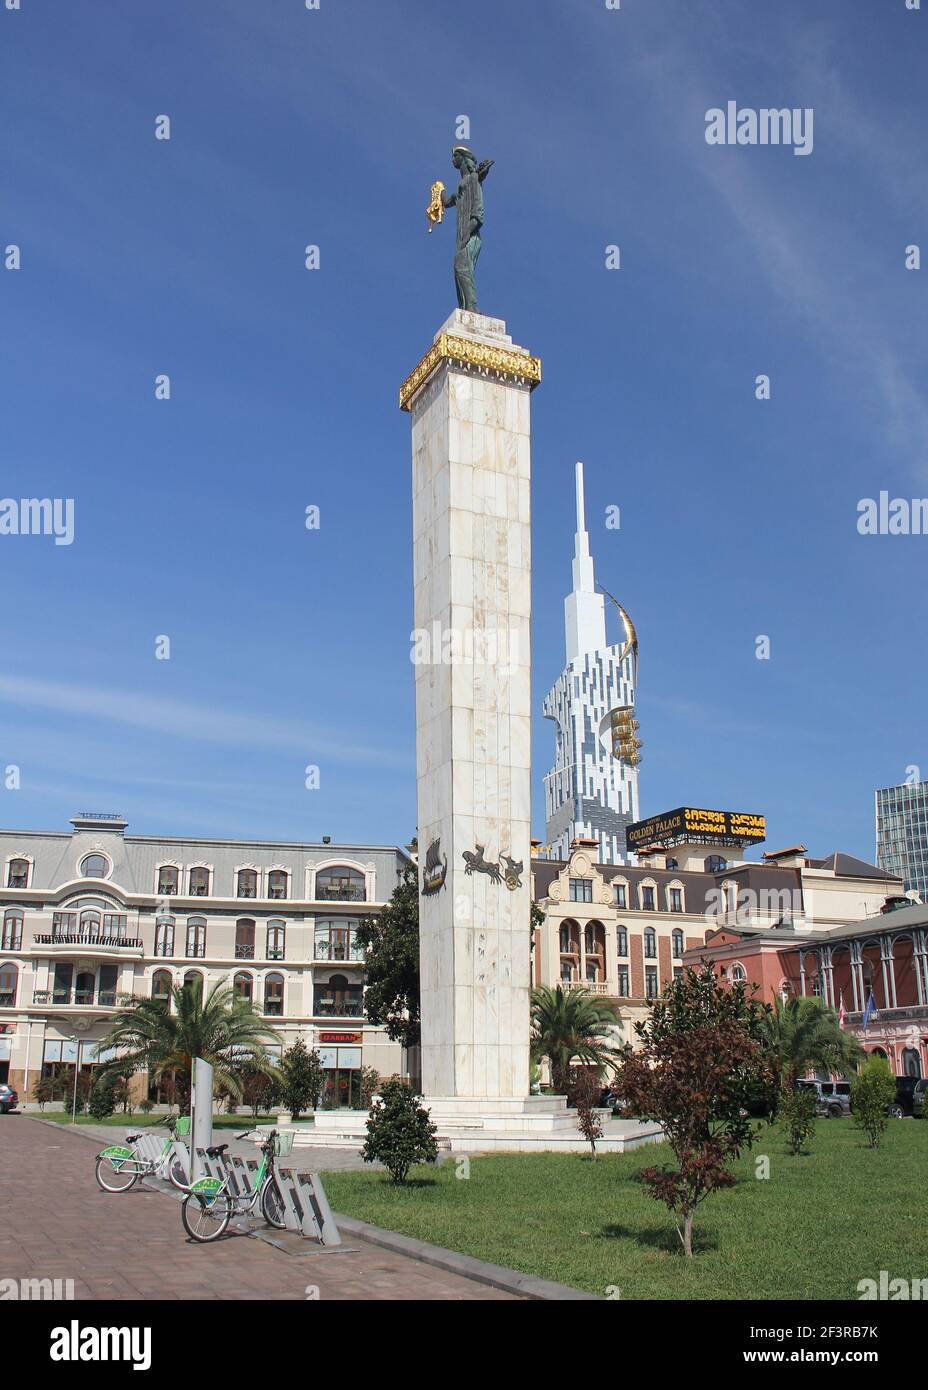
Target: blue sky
[[291, 647]]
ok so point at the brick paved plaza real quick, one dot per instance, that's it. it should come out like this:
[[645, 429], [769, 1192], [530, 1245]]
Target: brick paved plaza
[[58, 1224]]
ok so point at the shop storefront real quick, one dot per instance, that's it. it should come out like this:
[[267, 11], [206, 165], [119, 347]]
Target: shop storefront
[[340, 1054]]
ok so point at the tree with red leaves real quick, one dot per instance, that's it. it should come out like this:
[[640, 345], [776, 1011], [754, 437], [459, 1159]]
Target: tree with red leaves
[[699, 1062]]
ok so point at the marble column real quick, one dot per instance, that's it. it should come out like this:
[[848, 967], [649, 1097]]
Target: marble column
[[469, 404]]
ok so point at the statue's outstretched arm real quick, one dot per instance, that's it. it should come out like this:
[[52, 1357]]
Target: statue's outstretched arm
[[448, 200]]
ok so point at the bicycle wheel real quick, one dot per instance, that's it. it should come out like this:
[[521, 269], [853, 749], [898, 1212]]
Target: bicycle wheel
[[118, 1175], [205, 1218], [177, 1175], [272, 1206]]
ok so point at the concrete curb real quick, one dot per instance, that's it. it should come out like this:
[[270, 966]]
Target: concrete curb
[[496, 1276]]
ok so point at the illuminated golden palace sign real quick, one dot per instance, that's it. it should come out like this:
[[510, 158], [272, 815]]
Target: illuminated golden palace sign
[[694, 822]]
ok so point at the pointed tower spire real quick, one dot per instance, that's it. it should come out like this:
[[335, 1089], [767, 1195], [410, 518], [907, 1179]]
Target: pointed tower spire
[[584, 609]]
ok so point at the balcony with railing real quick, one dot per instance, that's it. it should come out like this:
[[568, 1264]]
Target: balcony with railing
[[342, 947], [94, 941], [76, 998], [337, 1006]]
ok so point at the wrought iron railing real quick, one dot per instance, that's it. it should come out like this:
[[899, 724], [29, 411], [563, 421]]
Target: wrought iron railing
[[84, 938], [330, 1008], [328, 948]]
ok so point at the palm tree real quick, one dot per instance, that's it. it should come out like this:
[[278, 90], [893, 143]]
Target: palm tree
[[800, 1033], [223, 1029], [571, 1025]]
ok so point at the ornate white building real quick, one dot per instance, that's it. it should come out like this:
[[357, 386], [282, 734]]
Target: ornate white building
[[592, 790], [91, 916]]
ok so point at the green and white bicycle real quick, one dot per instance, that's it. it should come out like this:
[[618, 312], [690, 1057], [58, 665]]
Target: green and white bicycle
[[211, 1203], [120, 1166]]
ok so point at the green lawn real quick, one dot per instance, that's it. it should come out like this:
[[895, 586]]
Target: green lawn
[[140, 1121], [816, 1227]]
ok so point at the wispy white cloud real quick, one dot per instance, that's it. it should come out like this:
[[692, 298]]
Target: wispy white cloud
[[196, 723]]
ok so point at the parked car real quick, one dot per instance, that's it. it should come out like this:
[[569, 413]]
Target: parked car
[[8, 1099], [904, 1104], [834, 1097], [918, 1098]]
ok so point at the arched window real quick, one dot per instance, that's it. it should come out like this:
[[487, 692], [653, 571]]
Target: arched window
[[564, 936], [588, 944], [340, 884], [168, 880], [246, 883], [95, 866], [276, 940], [277, 883], [621, 936], [671, 864], [84, 985], [161, 986], [676, 938], [911, 1062], [199, 882], [243, 985], [164, 936], [9, 975], [650, 943], [90, 923], [12, 930], [737, 974], [17, 875], [245, 939], [274, 995], [336, 998], [196, 938], [193, 980], [715, 864]]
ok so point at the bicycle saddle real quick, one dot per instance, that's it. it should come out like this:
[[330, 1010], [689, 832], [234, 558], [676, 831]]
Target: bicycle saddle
[[131, 1138], [216, 1150]]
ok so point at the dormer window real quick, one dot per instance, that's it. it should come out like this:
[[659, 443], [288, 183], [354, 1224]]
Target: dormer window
[[620, 895], [647, 898], [675, 899], [199, 883], [167, 880], [95, 866], [17, 874], [277, 883], [581, 890], [340, 884], [246, 883]]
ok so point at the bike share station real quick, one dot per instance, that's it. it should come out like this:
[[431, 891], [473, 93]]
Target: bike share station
[[207, 1171]]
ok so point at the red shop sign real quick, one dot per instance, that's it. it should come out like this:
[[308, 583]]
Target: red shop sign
[[340, 1037]]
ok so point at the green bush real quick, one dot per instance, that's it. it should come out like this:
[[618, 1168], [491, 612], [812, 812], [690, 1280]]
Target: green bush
[[399, 1132], [798, 1110], [102, 1101], [871, 1094], [146, 1106]]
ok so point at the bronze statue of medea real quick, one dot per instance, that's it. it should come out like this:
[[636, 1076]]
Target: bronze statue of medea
[[469, 203]]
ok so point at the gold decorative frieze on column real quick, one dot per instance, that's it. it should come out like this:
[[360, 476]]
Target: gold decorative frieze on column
[[500, 361]]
